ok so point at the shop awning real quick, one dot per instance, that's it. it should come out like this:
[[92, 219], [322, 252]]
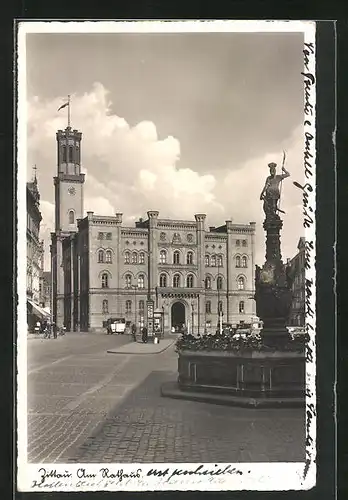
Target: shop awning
[[39, 311]]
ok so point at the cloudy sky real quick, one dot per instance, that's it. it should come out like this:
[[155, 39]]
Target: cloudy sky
[[180, 123]]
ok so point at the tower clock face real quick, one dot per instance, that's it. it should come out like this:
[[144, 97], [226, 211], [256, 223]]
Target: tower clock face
[[72, 190]]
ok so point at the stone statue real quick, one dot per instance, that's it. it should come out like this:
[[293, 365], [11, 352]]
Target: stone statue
[[271, 192]]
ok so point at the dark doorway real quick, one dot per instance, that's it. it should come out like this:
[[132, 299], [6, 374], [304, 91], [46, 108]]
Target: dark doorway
[[178, 316]]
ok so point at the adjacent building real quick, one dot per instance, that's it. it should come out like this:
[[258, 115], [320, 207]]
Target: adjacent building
[[102, 268], [34, 253], [46, 289], [297, 263]]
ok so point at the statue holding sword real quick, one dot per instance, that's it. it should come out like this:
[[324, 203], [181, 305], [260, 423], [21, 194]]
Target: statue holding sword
[[272, 189]]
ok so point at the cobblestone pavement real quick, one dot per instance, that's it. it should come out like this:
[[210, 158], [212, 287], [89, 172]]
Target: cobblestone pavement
[[89, 406], [66, 379]]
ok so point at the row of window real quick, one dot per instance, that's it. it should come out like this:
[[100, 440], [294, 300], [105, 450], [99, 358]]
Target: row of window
[[244, 243], [141, 307], [176, 283], [104, 236], [105, 256], [176, 257], [134, 258]]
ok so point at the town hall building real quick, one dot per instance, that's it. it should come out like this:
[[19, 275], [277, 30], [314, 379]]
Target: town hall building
[[101, 268]]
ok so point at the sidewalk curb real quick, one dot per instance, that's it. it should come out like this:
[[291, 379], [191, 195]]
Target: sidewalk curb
[[141, 353]]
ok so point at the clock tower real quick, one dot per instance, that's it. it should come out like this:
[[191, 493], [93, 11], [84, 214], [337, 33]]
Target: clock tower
[[68, 189], [69, 181]]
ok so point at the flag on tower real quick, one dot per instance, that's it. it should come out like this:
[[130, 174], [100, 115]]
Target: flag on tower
[[63, 106]]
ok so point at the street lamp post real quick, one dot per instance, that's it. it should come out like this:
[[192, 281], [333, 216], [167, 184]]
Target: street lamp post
[[135, 304], [192, 314], [205, 305], [218, 290]]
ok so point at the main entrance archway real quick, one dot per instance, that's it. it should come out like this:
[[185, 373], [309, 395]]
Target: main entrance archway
[[178, 316]]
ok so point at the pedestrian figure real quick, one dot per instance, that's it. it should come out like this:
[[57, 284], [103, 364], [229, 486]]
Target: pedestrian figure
[[47, 333], [54, 330], [144, 335], [134, 332]]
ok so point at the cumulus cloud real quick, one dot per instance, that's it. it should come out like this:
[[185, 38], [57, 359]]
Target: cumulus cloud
[[131, 169]]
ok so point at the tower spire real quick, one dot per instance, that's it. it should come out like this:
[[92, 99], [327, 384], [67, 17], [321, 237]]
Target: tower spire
[[35, 169]]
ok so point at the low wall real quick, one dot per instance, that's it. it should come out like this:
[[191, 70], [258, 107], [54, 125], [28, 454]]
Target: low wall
[[250, 374]]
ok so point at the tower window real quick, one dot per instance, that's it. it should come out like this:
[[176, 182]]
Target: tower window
[[207, 260], [219, 260], [105, 306], [100, 236], [141, 258], [238, 243], [64, 156], [208, 307], [189, 259], [237, 261], [241, 283], [244, 243], [108, 256], [244, 261], [134, 258], [105, 280], [71, 217], [108, 236], [163, 280], [141, 305], [126, 258], [219, 283], [241, 307], [71, 154], [213, 261], [101, 256]]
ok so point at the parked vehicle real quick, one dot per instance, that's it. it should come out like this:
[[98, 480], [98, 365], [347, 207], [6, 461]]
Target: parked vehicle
[[115, 325]]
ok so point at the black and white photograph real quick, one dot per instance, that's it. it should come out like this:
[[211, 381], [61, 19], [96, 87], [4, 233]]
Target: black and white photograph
[[166, 330]]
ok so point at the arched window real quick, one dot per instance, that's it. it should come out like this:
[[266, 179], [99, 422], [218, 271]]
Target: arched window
[[126, 258], [108, 256], [176, 257], [163, 257], [207, 261], [241, 307], [105, 306], [141, 281], [163, 280], [134, 258], [105, 280], [213, 260], [189, 281], [244, 261], [71, 217], [244, 243], [71, 159], [128, 280], [220, 307], [141, 306], [208, 307], [219, 260], [207, 282], [219, 283], [241, 283], [189, 258], [64, 154], [141, 258], [101, 256], [176, 280], [237, 261], [128, 306]]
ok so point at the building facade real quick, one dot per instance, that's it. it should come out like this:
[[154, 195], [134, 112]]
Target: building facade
[[102, 268], [34, 251], [297, 263], [46, 289]]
